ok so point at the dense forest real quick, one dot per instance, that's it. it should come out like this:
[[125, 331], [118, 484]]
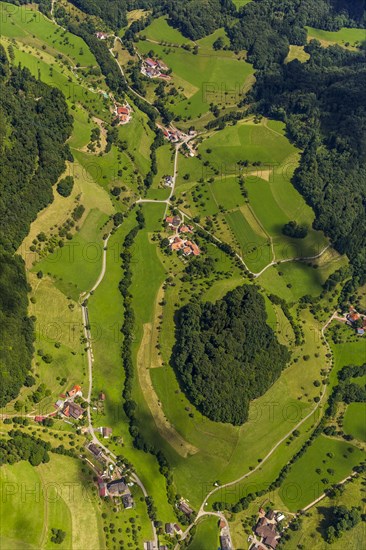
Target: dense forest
[[323, 103], [34, 125], [226, 355]]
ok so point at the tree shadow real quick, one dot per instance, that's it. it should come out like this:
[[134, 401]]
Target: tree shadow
[[327, 517]]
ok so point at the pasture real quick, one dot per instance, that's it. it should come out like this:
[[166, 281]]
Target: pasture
[[33, 28], [345, 37], [208, 77], [47, 497], [355, 421], [76, 266], [206, 536], [297, 52], [326, 462], [160, 31], [50, 70]]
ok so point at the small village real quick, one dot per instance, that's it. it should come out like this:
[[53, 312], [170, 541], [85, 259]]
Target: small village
[[178, 242], [154, 69]]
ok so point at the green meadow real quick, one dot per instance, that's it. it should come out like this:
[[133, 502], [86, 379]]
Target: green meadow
[[76, 266], [34, 28], [355, 421], [245, 140], [52, 493], [349, 36], [203, 78], [43, 65], [206, 536], [106, 316], [160, 31], [273, 201], [303, 484]]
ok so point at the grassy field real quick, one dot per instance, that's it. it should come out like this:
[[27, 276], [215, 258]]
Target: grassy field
[[355, 420], [304, 484], [165, 162], [47, 497], [33, 28], [297, 52], [160, 31], [344, 37], [76, 266], [206, 536], [272, 198], [214, 76]]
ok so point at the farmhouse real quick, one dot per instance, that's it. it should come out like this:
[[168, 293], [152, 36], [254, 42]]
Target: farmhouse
[[74, 392], [103, 491], [271, 541], [185, 228], [169, 528], [95, 450], [122, 113], [106, 432], [101, 35], [266, 529], [183, 507], [154, 69], [168, 181], [75, 411], [117, 487]]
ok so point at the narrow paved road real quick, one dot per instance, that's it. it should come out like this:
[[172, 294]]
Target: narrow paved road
[[325, 494]]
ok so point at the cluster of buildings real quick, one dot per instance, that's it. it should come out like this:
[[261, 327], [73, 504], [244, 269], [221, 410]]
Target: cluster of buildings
[[267, 529], [116, 488], [176, 136], [67, 405], [154, 68], [356, 320], [122, 113], [178, 242], [172, 134]]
